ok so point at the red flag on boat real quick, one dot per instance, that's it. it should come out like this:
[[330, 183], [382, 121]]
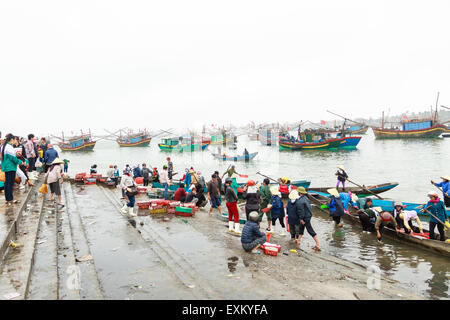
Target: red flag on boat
[[405, 117], [322, 122]]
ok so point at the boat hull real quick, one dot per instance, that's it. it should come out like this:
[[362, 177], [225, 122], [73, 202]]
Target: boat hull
[[349, 142], [237, 158], [377, 189], [142, 143], [84, 147], [183, 147], [433, 245], [327, 144], [432, 132]]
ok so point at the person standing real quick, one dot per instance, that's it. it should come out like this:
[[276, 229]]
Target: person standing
[[43, 145], [146, 174], [252, 196], [30, 153], [445, 185], [201, 179], [266, 197], [54, 178], [230, 172], [341, 177], [128, 185], [116, 176], [110, 172], [49, 156], [9, 167], [304, 212], [336, 206], [231, 202], [66, 165], [169, 168], [214, 194], [277, 209], [165, 181], [137, 171], [187, 180], [437, 209], [293, 217]]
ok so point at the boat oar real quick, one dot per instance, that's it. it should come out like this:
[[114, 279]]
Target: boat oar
[[440, 189], [267, 177], [425, 209], [364, 188]]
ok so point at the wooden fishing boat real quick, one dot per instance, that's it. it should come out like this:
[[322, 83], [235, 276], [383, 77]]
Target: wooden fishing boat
[[82, 142], [377, 189], [352, 217], [235, 158], [140, 139], [387, 205], [286, 144], [180, 144], [349, 142], [416, 128]]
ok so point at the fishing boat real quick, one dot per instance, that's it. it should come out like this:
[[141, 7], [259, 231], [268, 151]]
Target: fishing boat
[[361, 192], [411, 128], [140, 139], [286, 144], [82, 142], [388, 205], [181, 144], [235, 158], [433, 245]]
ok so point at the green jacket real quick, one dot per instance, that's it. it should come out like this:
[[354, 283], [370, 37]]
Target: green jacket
[[10, 163], [266, 196]]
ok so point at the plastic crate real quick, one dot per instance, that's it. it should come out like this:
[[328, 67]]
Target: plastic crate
[[90, 182], [158, 211], [143, 205], [271, 251], [184, 214], [183, 209], [271, 245], [174, 204], [171, 210]]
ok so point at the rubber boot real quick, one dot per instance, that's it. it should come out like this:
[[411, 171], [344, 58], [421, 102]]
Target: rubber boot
[[131, 213], [124, 209], [230, 226], [236, 228], [282, 231]]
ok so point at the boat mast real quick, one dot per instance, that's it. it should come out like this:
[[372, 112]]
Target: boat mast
[[436, 117], [382, 120]]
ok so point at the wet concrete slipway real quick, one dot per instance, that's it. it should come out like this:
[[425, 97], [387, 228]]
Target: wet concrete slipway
[[89, 250]]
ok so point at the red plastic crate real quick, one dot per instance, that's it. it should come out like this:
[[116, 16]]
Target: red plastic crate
[[271, 245], [271, 251], [90, 182], [184, 214], [171, 210], [143, 205]]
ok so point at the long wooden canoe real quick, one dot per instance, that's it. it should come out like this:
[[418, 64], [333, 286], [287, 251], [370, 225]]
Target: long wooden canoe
[[379, 188], [433, 245], [235, 158]]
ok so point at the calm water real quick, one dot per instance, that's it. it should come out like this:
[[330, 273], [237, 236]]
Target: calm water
[[411, 163]]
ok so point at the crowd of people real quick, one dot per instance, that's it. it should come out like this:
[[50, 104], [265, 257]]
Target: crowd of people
[[20, 161]]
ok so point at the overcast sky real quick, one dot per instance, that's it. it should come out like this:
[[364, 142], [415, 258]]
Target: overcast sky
[[109, 64]]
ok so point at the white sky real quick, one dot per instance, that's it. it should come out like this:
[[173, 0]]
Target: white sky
[[109, 64]]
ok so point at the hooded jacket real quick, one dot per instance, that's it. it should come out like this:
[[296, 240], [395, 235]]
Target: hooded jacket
[[253, 198], [304, 210], [291, 209]]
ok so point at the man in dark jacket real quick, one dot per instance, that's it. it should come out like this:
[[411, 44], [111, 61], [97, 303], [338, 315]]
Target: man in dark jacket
[[293, 218], [252, 196], [214, 194], [146, 174], [304, 212], [49, 156], [252, 238]]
